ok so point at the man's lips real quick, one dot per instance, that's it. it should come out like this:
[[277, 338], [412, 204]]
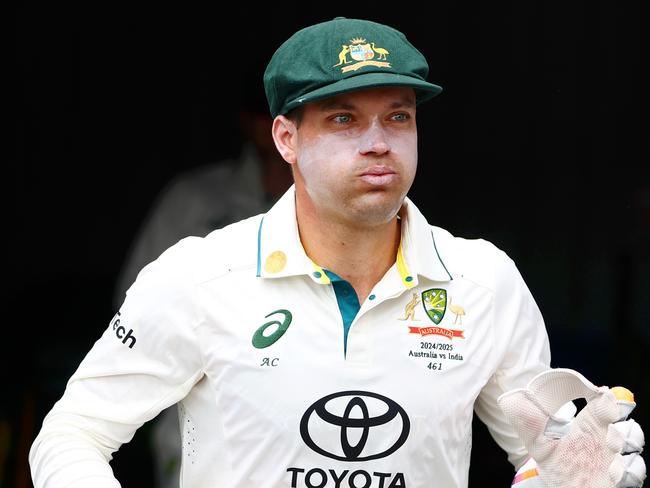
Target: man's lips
[[378, 175], [378, 171]]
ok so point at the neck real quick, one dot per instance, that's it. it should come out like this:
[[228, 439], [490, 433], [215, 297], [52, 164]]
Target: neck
[[360, 255]]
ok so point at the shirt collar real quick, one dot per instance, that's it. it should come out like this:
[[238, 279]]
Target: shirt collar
[[418, 246], [280, 253], [279, 250]]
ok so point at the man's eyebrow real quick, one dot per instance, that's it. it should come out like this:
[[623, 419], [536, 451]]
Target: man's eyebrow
[[336, 105], [404, 102]]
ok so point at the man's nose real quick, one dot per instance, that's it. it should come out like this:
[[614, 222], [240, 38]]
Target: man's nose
[[374, 140]]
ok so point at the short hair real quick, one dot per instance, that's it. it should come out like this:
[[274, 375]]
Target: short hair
[[296, 114]]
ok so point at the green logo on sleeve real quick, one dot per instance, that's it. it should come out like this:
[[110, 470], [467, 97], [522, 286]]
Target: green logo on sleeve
[[262, 340]]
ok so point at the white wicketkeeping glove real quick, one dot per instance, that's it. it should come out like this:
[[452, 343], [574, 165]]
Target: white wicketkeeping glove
[[599, 448]]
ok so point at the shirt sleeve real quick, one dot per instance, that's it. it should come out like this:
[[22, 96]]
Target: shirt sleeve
[[523, 348], [147, 359]]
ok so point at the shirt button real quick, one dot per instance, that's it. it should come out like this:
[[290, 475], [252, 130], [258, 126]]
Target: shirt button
[[317, 274], [409, 278], [371, 297]]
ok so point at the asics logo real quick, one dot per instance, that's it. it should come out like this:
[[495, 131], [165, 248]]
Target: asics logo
[[271, 331]]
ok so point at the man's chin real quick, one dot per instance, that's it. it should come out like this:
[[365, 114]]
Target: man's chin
[[377, 208]]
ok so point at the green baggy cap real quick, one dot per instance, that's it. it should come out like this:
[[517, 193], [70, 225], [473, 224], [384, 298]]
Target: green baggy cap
[[339, 56]]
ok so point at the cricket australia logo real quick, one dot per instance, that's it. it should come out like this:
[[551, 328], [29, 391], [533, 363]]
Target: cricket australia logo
[[434, 301], [362, 53]]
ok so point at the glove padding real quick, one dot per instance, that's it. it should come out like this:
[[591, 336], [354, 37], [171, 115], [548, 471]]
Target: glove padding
[[596, 451]]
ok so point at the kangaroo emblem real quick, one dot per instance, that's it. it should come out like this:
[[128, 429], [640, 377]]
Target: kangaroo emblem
[[343, 55], [409, 310]]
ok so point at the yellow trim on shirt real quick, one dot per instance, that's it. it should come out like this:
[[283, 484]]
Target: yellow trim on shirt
[[404, 273], [323, 279]]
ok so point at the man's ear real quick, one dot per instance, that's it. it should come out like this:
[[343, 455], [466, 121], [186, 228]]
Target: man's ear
[[284, 133]]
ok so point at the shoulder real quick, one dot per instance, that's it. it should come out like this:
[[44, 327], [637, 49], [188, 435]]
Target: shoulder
[[194, 260], [477, 260]]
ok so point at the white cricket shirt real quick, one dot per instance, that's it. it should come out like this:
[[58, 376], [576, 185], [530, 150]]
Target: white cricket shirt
[[286, 381]]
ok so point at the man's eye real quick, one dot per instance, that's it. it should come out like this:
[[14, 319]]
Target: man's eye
[[342, 118], [401, 116]]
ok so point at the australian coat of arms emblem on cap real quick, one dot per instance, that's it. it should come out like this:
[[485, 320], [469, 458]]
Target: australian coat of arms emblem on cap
[[361, 53]]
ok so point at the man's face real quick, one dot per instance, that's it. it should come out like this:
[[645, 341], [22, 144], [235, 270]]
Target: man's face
[[356, 155]]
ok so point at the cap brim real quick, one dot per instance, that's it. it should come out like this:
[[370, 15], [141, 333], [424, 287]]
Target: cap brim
[[423, 89]]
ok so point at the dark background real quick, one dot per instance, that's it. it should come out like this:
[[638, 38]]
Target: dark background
[[539, 143]]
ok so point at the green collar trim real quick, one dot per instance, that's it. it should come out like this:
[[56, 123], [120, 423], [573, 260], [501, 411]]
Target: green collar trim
[[348, 302]]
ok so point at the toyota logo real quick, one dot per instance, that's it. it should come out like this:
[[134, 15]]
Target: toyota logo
[[349, 411]]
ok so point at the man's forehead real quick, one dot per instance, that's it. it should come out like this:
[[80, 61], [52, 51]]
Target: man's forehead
[[391, 97]]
